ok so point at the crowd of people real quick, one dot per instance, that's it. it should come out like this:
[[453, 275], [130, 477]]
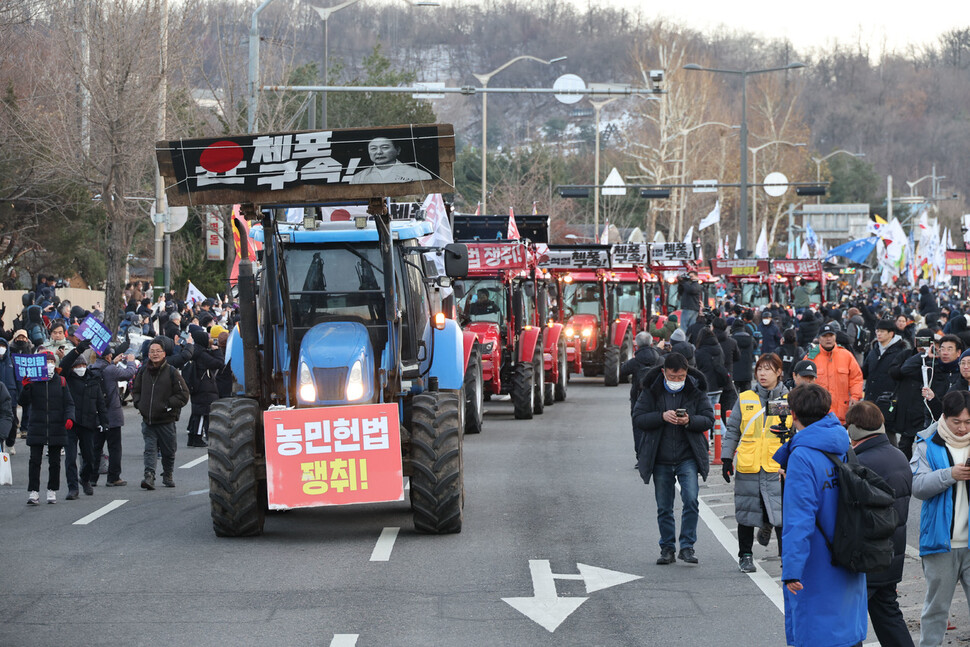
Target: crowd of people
[[880, 377], [167, 353]]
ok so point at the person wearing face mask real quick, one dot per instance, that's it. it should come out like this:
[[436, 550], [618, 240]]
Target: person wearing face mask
[[943, 359], [669, 420], [770, 334], [91, 418], [51, 417]]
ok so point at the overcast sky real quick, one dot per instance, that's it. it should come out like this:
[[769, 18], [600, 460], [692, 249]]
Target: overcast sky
[[889, 24]]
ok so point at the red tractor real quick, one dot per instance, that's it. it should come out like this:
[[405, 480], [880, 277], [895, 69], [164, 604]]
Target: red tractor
[[504, 301], [750, 278], [599, 338], [792, 272], [670, 260]]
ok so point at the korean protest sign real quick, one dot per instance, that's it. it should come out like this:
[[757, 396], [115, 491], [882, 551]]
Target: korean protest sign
[[333, 456], [92, 328], [305, 167], [30, 367]]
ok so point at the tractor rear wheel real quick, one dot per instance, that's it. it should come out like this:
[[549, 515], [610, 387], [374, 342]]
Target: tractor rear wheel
[[523, 391], [611, 366], [436, 479], [474, 394], [626, 355], [539, 382], [236, 495], [560, 389]]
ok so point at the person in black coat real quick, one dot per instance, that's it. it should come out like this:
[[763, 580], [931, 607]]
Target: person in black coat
[[731, 355], [200, 364], [927, 301], [884, 360], [645, 358], [710, 361], [673, 448], [743, 371], [873, 449], [808, 327], [51, 417], [679, 344], [789, 352], [90, 420]]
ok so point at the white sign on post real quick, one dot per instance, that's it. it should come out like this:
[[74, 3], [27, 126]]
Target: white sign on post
[[705, 186], [614, 184]]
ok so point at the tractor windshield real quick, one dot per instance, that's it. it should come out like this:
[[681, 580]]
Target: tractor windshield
[[754, 295], [484, 300], [582, 298], [335, 282], [626, 298]]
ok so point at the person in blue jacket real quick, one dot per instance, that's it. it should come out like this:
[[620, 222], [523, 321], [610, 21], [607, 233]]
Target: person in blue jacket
[[940, 476], [825, 605]]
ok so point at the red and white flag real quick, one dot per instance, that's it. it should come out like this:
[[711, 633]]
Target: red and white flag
[[478, 209], [720, 248], [513, 233], [535, 208]]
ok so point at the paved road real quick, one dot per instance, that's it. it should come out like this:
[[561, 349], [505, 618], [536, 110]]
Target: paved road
[[548, 502]]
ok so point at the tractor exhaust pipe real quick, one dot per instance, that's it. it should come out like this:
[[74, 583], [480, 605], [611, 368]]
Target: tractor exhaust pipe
[[247, 315]]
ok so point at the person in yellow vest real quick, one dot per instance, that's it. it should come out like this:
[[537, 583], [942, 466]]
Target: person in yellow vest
[[757, 487]]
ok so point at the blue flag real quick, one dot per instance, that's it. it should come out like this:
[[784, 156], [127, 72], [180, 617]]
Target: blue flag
[[856, 251]]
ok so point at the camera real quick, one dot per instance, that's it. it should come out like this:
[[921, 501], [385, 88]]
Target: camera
[[923, 342], [781, 409]]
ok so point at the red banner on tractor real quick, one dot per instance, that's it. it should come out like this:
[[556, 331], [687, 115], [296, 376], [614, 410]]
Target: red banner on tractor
[[333, 456], [488, 258], [956, 262], [801, 266]]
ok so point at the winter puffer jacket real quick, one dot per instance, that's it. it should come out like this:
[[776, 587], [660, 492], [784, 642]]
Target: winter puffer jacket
[[90, 409], [51, 405], [159, 393]]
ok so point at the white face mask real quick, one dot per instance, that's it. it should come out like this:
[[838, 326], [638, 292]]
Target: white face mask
[[766, 321], [675, 386], [50, 368], [3, 351], [80, 371]]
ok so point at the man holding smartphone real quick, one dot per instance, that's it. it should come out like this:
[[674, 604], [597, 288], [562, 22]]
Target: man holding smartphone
[[669, 420]]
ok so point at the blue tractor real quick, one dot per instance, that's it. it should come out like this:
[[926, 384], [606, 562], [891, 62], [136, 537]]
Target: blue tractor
[[335, 325]]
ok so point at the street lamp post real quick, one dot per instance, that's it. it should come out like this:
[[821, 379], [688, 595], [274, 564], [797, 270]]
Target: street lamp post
[[818, 166], [754, 165], [597, 107], [484, 79], [744, 74], [683, 166], [325, 13]]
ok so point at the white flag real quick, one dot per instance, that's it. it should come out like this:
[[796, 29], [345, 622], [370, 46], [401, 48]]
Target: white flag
[[737, 245], [194, 295], [712, 218], [690, 235], [605, 236], [803, 250], [761, 249]]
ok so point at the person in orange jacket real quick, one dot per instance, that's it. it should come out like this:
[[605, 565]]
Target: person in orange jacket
[[838, 371]]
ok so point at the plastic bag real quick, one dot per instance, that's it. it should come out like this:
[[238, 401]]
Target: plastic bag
[[6, 474]]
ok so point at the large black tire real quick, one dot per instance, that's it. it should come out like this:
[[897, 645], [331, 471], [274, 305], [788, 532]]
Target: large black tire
[[539, 383], [560, 389], [436, 466], [626, 354], [611, 366], [523, 391], [236, 495], [474, 394]]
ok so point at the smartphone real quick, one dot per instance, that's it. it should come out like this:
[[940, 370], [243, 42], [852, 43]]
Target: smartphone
[[967, 464], [923, 343], [680, 412]]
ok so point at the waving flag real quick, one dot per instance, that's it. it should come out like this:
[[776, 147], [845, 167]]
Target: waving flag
[[712, 218], [856, 251], [513, 233], [761, 249], [688, 239]]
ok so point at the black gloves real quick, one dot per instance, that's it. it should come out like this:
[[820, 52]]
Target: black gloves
[[83, 345], [727, 469]]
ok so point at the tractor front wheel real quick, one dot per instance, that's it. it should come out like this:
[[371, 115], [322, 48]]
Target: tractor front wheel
[[236, 495], [436, 479], [611, 366], [539, 382], [474, 394], [560, 390]]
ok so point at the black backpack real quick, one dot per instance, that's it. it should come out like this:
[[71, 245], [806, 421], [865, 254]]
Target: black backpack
[[862, 339], [865, 520]]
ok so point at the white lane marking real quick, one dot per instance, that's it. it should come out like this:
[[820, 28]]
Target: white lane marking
[[198, 492], [117, 503], [195, 462], [385, 544], [719, 505], [912, 552], [344, 640], [760, 577]]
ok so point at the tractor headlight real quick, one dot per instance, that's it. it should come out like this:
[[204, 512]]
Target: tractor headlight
[[587, 332], [307, 389], [355, 385], [570, 331], [487, 347]]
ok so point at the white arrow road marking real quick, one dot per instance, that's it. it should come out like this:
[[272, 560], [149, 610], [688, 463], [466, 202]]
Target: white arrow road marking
[[344, 640], [545, 607], [194, 462], [100, 512]]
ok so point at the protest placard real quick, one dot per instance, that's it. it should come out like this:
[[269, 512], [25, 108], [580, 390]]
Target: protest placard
[[92, 328], [31, 367]]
